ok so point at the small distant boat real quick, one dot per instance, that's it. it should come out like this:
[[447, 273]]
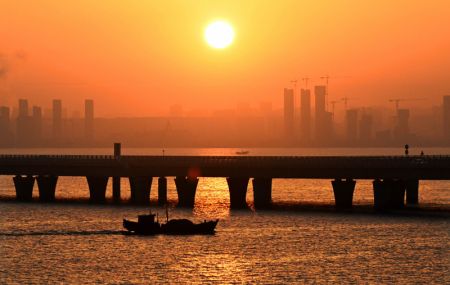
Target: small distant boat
[[241, 152], [146, 225]]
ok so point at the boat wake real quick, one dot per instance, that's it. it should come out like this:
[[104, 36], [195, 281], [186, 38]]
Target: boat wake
[[62, 233]]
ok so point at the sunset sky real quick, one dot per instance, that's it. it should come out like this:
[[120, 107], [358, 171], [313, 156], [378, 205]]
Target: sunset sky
[[137, 58]]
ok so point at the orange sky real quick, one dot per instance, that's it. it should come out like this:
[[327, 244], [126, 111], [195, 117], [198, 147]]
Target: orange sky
[[140, 57]]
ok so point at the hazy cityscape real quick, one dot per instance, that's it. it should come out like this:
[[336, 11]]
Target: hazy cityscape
[[224, 142], [307, 118]]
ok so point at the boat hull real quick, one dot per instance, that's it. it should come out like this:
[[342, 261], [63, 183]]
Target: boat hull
[[173, 227]]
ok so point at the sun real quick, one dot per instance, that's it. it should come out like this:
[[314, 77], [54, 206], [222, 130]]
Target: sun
[[219, 34]]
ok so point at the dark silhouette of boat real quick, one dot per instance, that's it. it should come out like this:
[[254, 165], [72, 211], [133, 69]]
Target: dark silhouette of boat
[[146, 225], [242, 152]]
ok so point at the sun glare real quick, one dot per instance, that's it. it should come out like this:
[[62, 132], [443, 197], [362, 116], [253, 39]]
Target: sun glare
[[219, 34]]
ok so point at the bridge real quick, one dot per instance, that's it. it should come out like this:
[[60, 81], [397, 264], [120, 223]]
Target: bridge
[[394, 177]]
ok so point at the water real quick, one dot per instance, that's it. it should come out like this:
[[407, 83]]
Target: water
[[303, 241]]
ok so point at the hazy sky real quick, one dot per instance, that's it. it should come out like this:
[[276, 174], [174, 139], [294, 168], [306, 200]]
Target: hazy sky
[[140, 57]]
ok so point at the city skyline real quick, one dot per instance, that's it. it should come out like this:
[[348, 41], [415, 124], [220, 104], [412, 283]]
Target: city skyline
[[371, 52], [301, 122]]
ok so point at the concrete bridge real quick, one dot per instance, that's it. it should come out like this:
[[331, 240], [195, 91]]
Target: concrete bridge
[[393, 176]]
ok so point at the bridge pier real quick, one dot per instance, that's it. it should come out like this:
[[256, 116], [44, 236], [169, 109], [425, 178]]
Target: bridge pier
[[238, 191], [47, 187], [116, 189], [262, 192], [162, 190], [343, 192], [97, 188], [186, 188], [389, 194], [140, 189], [412, 191], [24, 187]]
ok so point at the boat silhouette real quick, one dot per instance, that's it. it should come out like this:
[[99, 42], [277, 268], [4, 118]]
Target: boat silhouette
[[242, 152], [147, 225]]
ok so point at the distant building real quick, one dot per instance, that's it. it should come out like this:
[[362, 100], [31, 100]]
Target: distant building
[[23, 108], [446, 116], [289, 113], [351, 117], [365, 128], [323, 119], [36, 123], [24, 125], [305, 114], [402, 128], [57, 119], [6, 135], [89, 119], [383, 137], [320, 94]]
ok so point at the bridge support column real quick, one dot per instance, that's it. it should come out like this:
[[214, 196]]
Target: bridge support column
[[116, 189], [140, 189], [343, 192], [389, 194], [186, 188], [47, 187], [412, 191], [238, 191], [97, 188], [162, 190], [262, 192], [24, 187]]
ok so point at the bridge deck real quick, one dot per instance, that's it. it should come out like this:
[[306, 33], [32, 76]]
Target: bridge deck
[[428, 167]]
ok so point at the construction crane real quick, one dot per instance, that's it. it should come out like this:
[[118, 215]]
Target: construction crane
[[346, 99], [326, 78], [333, 103], [306, 80], [294, 82], [398, 100]]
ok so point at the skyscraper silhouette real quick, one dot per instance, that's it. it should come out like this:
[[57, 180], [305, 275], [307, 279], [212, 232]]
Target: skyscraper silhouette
[[365, 128], [36, 125], [289, 113], [323, 119], [57, 119], [351, 117], [89, 119], [305, 114], [23, 126]]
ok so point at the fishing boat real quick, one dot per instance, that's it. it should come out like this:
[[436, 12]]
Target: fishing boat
[[241, 152], [148, 225]]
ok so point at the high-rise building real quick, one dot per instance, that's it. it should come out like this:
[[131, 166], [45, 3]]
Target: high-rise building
[[57, 119], [446, 115], [89, 119], [23, 126], [323, 119], [289, 113], [320, 94], [365, 128], [23, 108], [351, 116], [305, 114], [36, 121]]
